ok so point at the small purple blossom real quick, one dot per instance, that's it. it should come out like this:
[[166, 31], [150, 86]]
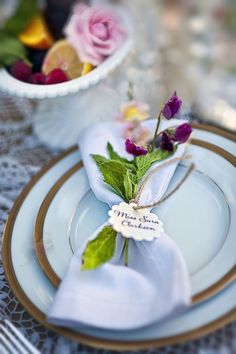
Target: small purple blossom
[[134, 149], [182, 133], [166, 142], [170, 136], [172, 107]]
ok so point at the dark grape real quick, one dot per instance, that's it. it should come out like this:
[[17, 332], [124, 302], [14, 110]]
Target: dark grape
[[36, 57], [56, 14], [21, 71]]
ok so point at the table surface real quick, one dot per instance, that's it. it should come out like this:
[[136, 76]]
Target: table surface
[[192, 51], [21, 156]]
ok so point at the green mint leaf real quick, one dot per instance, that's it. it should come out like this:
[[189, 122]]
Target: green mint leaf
[[114, 156], [128, 185], [113, 174], [99, 159], [110, 180], [24, 12], [10, 50], [100, 250], [144, 162], [134, 180], [123, 176]]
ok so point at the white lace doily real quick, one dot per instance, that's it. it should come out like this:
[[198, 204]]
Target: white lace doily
[[21, 156]]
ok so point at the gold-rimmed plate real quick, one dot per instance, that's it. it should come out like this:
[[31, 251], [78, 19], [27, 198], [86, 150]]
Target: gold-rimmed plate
[[198, 217], [36, 293]]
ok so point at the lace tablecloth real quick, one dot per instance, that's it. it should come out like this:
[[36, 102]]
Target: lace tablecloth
[[21, 156]]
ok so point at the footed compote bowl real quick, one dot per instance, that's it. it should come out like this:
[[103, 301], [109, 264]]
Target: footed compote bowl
[[64, 109]]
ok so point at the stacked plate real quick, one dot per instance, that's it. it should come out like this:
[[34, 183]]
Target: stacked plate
[[57, 211]]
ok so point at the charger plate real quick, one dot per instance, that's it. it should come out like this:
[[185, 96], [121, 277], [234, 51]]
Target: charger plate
[[36, 293], [198, 217]]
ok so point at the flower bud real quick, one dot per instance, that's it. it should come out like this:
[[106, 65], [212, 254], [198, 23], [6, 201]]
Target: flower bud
[[182, 133], [134, 149], [172, 107], [166, 142]]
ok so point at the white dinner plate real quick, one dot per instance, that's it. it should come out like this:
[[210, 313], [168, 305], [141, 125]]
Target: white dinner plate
[[198, 217], [36, 293]]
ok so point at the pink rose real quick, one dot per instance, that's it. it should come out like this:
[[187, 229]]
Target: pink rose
[[138, 134], [95, 32], [133, 111]]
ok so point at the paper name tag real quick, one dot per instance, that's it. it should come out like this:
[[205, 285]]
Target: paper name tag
[[138, 224]]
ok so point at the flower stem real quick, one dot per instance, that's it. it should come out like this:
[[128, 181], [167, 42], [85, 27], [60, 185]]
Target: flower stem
[[156, 131], [126, 250], [130, 92]]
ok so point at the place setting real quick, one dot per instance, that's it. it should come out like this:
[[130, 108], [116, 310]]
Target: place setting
[[70, 205], [126, 239]]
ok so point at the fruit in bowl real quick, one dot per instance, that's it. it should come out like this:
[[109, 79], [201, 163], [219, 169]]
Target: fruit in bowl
[[31, 54]]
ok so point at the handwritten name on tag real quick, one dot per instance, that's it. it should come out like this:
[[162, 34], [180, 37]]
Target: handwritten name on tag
[[138, 224]]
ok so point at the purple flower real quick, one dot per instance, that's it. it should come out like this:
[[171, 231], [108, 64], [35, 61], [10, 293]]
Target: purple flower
[[170, 136], [166, 142], [172, 107], [182, 133], [134, 149]]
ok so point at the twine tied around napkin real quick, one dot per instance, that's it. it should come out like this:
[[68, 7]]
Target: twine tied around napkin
[[137, 206], [155, 170], [156, 282]]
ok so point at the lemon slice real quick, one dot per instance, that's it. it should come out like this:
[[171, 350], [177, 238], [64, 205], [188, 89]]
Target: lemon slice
[[36, 34], [87, 68], [64, 56]]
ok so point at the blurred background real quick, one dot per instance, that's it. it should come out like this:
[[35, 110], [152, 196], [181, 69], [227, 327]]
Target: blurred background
[[187, 45], [183, 45]]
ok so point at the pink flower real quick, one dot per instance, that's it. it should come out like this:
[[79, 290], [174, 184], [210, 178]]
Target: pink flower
[[95, 32], [133, 111], [138, 134]]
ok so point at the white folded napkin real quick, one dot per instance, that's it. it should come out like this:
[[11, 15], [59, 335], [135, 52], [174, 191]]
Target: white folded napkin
[[156, 282]]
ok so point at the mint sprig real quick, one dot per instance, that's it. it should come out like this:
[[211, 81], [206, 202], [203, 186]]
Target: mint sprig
[[144, 162], [100, 250], [114, 156], [114, 174], [129, 185], [123, 175], [24, 13]]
